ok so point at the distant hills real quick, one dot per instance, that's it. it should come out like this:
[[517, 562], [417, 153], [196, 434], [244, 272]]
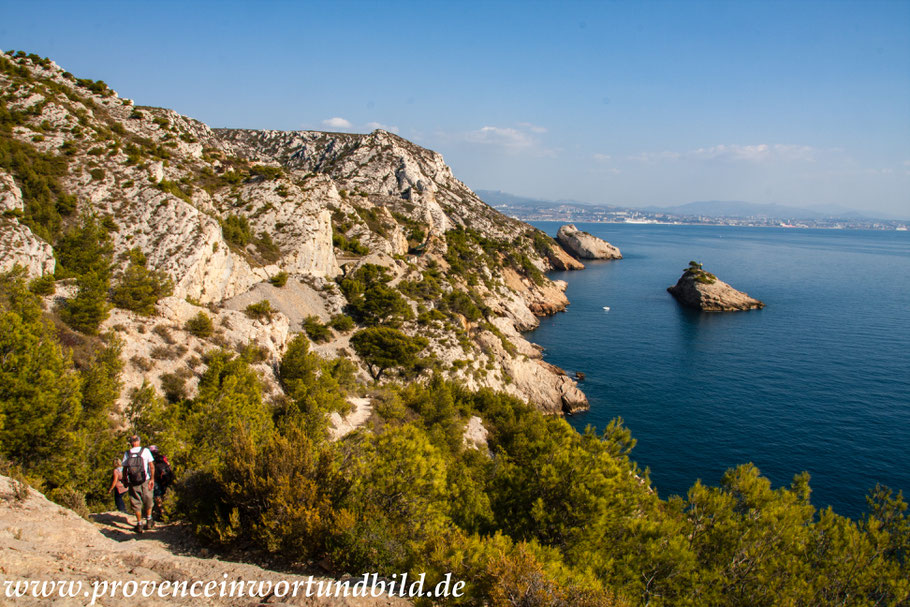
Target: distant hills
[[736, 208], [706, 208], [495, 197]]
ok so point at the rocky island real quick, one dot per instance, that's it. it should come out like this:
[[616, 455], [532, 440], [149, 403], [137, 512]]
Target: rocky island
[[701, 290], [585, 246]]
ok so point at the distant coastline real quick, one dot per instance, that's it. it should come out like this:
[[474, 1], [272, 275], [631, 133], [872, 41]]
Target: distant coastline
[[736, 214]]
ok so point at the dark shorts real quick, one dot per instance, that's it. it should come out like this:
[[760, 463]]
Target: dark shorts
[[141, 497], [160, 490]]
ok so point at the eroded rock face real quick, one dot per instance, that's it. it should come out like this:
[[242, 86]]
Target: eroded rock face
[[19, 246], [585, 246], [703, 291], [560, 260]]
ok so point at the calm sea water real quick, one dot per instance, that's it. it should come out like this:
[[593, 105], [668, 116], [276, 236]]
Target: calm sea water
[[819, 380]]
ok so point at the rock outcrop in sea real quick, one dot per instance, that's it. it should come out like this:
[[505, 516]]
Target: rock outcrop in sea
[[702, 290], [585, 246]]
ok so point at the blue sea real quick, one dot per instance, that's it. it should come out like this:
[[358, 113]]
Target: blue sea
[[819, 380]]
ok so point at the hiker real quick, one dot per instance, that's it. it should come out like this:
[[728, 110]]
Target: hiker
[[163, 478], [117, 486], [139, 477]]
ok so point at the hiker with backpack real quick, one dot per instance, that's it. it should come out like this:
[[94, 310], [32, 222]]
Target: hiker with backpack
[[139, 477], [163, 478]]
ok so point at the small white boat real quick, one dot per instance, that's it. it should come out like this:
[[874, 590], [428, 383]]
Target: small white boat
[[606, 308]]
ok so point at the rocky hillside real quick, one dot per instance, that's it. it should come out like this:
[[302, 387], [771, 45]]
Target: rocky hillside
[[236, 217]]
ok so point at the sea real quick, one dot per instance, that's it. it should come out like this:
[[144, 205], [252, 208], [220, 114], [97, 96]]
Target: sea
[[817, 381]]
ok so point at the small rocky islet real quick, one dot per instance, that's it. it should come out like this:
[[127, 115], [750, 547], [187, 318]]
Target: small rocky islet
[[701, 290]]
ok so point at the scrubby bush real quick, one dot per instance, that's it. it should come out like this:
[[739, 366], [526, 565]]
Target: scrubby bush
[[174, 387], [261, 310], [236, 230], [459, 302], [200, 325], [695, 270], [384, 348], [280, 279], [89, 308], [139, 288], [371, 301], [267, 248], [315, 330], [43, 285], [267, 173], [349, 245], [342, 323], [84, 249]]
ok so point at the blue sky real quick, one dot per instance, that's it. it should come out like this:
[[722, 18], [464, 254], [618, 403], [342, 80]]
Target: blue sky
[[629, 103]]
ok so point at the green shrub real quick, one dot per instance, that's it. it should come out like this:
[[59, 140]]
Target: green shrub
[[383, 348], [267, 248], [459, 302], [84, 249], [200, 325], [97, 174], [236, 230], [261, 310], [371, 301], [173, 386], [342, 323], [43, 285], [280, 279], [175, 189], [89, 308], [140, 288], [266, 172], [315, 330], [38, 176], [351, 245]]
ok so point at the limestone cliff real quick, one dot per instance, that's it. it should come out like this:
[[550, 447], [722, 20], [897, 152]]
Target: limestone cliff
[[310, 204], [701, 290], [585, 246]]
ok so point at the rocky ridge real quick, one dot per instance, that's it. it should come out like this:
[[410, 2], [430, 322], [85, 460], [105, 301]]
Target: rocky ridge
[[168, 185], [585, 246], [701, 290]]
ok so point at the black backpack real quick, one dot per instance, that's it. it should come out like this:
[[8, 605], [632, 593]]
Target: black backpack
[[134, 469], [163, 473]]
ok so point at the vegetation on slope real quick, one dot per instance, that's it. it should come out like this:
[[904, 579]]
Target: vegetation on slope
[[549, 516]]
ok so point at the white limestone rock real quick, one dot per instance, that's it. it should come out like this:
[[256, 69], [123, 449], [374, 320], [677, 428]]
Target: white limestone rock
[[585, 246]]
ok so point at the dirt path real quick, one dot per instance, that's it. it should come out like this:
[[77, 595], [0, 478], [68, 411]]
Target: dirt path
[[41, 541], [342, 426]]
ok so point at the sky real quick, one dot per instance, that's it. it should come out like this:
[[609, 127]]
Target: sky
[[627, 103]]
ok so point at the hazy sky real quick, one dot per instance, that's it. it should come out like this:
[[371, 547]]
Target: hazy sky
[[630, 103]]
